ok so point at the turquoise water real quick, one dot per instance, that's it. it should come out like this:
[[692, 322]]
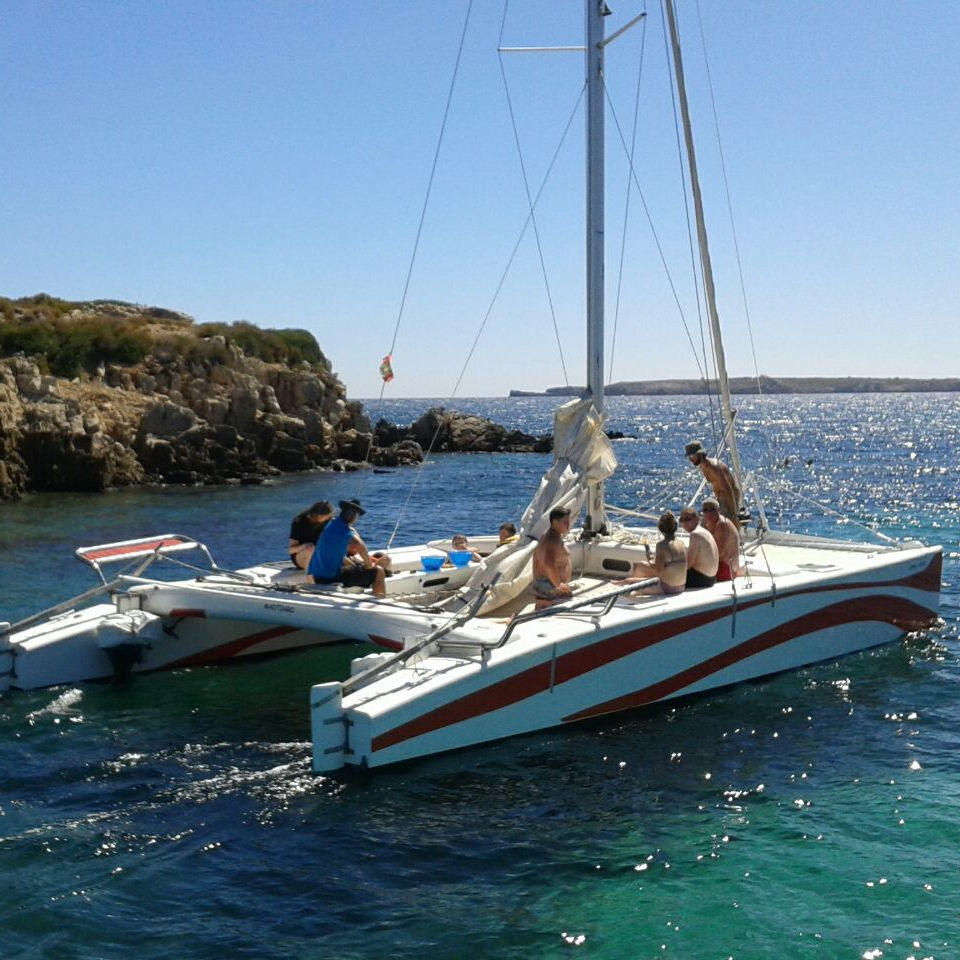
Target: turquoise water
[[813, 814]]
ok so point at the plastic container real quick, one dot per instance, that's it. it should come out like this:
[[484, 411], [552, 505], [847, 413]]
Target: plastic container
[[432, 563], [460, 558]]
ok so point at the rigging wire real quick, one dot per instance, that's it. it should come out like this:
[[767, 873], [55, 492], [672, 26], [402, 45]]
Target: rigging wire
[[782, 485], [656, 238], [771, 441], [526, 188], [423, 211], [493, 301], [626, 208], [433, 170], [686, 203], [523, 230]]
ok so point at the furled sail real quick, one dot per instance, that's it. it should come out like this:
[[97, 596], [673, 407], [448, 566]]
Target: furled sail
[[582, 454]]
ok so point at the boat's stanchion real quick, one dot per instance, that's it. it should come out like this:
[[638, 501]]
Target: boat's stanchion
[[329, 727], [6, 657]]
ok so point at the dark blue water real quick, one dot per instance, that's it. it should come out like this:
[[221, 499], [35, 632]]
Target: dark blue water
[[814, 814]]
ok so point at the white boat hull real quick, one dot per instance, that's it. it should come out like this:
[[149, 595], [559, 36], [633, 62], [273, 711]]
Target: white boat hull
[[561, 670], [207, 620], [71, 649]]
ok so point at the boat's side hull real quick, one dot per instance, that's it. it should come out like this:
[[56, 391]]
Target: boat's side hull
[[191, 623], [637, 657], [70, 649]]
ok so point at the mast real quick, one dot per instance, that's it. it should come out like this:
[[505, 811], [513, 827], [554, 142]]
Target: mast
[[596, 10], [704, 248]]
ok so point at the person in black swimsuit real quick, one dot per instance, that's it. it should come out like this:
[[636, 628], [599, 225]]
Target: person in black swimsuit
[[702, 556], [305, 530]]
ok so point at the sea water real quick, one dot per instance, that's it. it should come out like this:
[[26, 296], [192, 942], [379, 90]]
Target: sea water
[[811, 814]]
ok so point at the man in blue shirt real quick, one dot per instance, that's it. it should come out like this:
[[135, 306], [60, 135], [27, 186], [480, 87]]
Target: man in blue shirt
[[330, 562]]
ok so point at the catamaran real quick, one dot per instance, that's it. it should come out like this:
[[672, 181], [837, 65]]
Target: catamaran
[[465, 655], [486, 664]]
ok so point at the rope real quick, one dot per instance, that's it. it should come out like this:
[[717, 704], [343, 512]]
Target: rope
[[526, 188], [656, 238], [714, 414], [423, 213], [782, 484], [626, 207], [771, 443], [523, 231], [489, 311]]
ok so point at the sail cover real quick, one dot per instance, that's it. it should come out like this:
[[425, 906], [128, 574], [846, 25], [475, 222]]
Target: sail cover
[[581, 455]]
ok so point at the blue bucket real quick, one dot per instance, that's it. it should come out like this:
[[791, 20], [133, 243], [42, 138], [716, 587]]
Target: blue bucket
[[432, 563]]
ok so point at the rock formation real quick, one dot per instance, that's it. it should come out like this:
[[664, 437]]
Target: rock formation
[[188, 405], [194, 409], [453, 432]]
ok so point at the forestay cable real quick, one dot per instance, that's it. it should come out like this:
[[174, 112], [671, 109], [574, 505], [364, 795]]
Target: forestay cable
[[736, 244], [656, 238], [526, 187], [423, 212], [626, 208], [686, 204], [493, 301]]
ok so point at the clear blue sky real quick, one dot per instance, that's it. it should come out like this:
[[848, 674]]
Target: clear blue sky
[[268, 161]]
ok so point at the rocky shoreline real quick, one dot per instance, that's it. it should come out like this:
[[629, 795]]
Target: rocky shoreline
[[199, 410]]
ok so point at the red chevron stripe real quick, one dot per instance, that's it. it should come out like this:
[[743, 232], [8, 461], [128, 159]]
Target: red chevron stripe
[[894, 610], [902, 613], [227, 650], [385, 642]]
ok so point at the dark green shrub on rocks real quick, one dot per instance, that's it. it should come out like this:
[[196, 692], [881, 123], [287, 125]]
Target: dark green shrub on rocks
[[68, 347], [272, 346]]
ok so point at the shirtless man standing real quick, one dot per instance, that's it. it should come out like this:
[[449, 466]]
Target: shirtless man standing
[[551, 562], [702, 555], [720, 477], [727, 536]]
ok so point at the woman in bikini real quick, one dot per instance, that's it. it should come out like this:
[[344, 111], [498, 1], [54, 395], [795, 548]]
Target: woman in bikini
[[669, 562]]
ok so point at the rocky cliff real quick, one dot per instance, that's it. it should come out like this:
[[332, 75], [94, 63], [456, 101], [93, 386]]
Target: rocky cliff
[[193, 407], [104, 394]]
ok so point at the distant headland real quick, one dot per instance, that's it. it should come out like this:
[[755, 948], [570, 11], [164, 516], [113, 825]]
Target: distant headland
[[768, 385]]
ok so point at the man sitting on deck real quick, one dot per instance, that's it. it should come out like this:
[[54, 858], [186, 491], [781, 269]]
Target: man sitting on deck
[[551, 562], [727, 538], [702, 555], [330, 562]]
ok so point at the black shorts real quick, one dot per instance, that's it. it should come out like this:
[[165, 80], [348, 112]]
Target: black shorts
[[697, 580], [353, 576]]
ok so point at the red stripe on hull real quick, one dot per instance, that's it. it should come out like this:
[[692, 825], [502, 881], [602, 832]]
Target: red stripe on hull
[[893, 610], [226, 651], [927, 579], [528, 683], [385, 642]]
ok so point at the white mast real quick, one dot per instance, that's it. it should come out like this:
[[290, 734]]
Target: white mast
[[704, 249], [596, 10]]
